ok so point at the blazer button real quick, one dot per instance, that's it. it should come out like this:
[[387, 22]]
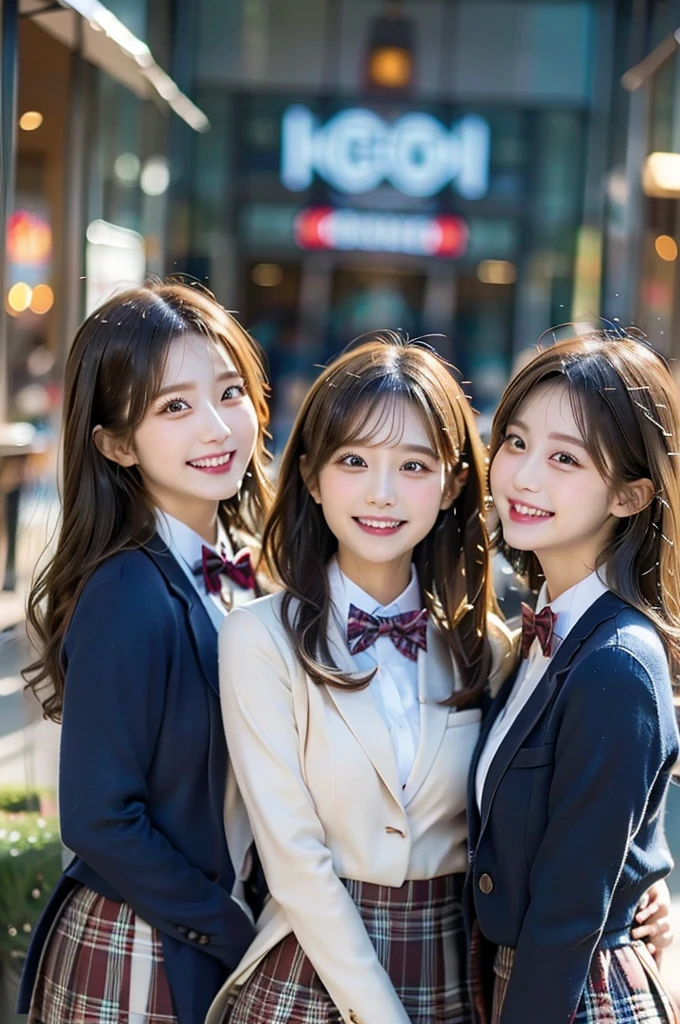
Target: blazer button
[[192, 936], [204, 940], [355, 1018], [486, 884]]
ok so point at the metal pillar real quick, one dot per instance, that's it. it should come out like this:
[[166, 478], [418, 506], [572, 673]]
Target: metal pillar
[[8, 100]]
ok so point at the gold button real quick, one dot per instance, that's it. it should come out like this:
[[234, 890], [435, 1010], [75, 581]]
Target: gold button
[[391, 831], [486, 884]]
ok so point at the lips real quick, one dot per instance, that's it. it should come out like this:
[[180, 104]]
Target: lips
[[378, 526], [218, 463], [520, 512]]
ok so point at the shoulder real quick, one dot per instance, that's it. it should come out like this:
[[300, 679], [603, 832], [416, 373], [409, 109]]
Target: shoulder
[[623, 663], [128, 586], [134, 569], [256, 624]]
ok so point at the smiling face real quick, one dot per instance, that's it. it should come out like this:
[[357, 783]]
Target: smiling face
[[381, 497], [550, 496], [197, 437]]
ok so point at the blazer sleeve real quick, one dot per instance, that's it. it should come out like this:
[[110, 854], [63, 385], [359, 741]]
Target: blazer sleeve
[[259, 720], [609, 751], [114, 707]]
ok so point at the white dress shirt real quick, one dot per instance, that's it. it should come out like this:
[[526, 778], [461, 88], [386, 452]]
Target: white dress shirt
[[186, 546], [395, 684], [568, 607]]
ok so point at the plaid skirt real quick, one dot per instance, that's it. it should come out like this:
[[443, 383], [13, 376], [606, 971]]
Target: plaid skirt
[[101, 965], [623, 987], [417, 932]]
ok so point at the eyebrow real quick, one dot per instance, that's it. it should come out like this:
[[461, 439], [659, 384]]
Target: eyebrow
[[191, 385], [569, 438]]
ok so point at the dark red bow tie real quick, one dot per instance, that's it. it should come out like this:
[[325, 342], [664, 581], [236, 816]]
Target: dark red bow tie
[[408, 631], [540, 625], [213, 566]]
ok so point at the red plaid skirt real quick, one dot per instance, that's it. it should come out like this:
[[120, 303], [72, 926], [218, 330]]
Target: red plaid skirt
[[418, 934], [101, 965], [623, 986]]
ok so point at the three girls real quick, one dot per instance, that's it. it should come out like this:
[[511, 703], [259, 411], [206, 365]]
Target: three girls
[[164, 425], [356, 794], [568, 783]]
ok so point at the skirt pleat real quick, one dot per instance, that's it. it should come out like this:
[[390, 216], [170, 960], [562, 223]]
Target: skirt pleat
[[417, 932], [623, 987], [101, 965]]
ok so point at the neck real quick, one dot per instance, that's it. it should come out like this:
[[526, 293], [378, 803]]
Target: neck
[[564, 575], [201, 518], [384, 581]]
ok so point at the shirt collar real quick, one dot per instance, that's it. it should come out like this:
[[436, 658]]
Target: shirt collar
[[185, 543], [344, 592], [575, 602]]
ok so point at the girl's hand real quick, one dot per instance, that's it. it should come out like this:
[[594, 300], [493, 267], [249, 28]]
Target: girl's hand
[[653, 922]]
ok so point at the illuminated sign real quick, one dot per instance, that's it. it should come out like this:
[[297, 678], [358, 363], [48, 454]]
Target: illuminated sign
[[324, 227], [356, 151]]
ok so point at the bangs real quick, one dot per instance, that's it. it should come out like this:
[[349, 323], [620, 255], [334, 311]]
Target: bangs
[[370, 412]]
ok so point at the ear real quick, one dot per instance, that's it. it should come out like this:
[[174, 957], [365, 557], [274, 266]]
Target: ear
[[113, 448], [455, 486], [311, 485], [635, 497]]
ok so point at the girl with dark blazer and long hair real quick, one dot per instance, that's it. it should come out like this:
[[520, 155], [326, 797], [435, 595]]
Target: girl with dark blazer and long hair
[[164, 488], [567, 787]]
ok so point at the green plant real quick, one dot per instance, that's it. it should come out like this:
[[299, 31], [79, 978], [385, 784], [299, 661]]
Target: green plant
[[14, 799], [30, 865]]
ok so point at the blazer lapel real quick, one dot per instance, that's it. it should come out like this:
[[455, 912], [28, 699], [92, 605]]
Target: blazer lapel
[[604, 608], [436, 680], [201, 630], [362, 715]]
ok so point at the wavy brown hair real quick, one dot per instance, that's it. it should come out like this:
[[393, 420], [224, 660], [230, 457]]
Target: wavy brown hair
[[452, 560], [627, 406], [114, 370]]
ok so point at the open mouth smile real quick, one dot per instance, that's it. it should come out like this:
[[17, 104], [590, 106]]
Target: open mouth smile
[[521, 513], [213, 464], [378, 526]]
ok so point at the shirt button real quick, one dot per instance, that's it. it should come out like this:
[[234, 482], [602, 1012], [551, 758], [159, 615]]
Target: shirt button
[[486, 884]]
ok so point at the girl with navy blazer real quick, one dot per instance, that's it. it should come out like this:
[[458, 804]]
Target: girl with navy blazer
[[566, 793], [164, 422]]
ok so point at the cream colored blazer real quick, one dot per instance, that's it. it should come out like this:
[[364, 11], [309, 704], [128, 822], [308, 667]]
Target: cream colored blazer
[[316, 776]]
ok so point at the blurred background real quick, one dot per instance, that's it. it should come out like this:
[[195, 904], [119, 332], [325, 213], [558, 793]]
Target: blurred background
[[476, 169]]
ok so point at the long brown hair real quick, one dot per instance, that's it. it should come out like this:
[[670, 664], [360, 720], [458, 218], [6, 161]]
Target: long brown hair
[[452, 561], [114, 370], [627, 406]]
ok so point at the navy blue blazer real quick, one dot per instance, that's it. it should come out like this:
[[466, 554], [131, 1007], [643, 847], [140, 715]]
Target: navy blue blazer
[[143, 772], [570, 834]]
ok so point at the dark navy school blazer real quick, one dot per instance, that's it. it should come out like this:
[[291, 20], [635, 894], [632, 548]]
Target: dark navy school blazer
[[571, 830], [143, 772]]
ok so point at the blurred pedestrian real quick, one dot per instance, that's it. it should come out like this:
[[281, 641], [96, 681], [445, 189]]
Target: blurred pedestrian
[[164, 488]]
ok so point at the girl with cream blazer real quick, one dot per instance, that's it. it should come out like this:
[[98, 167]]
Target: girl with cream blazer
[[363, 838]]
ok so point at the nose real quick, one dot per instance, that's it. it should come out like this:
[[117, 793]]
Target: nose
[[214, 429], [381, 491], [526, 474]]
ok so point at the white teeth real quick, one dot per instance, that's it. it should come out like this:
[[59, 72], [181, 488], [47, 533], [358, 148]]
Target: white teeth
[[526, 510], [221, 460], [380, 524]]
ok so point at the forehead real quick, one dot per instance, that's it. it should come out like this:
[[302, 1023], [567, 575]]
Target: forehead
[[192, 356], [549, 408], [387, 423]]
